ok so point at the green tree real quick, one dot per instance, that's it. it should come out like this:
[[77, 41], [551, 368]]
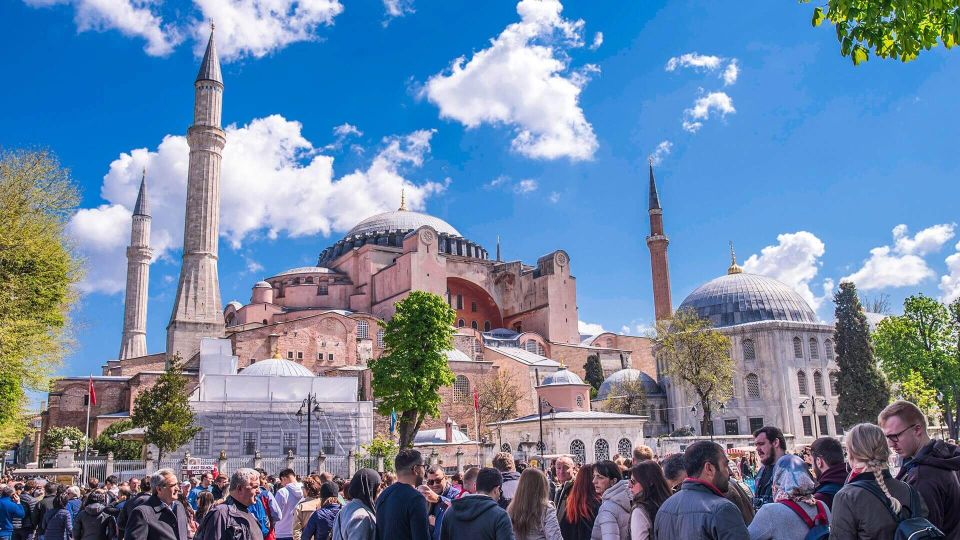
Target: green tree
[[697, 356], [863, 391], [593, 371], [382, 446], [898, 29], [122, 449], [37, 270], [164, 412], [54, 437], [627, 397], [408, 376], [919, 352]]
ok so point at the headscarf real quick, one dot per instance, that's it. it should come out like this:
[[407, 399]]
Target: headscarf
[[791, 480], [363, 487], [329, 490]]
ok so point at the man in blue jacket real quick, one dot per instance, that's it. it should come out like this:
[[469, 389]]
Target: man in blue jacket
[[10, 509], [477, 515], [401, 508]]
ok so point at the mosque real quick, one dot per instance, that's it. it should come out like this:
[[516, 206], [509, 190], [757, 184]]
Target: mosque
[[520, 320]]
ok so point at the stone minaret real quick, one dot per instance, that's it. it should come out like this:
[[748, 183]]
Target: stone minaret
[[134, 340], [657, 243], [196, 311]]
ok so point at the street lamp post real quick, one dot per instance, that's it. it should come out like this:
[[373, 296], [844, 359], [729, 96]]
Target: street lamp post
[[309, 408], [813, 402]]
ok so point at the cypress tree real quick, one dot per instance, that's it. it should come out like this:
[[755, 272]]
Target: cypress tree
[[863, 391], [593, 372]]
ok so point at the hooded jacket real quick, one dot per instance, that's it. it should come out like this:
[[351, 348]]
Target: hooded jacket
[[835, 475], [613, 518], [356, 521], [933, 472], [477, 517], [94, 524]]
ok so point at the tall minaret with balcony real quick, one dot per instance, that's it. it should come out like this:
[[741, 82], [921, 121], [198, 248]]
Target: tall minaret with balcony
[[657, 242], [134, 340], [197, 311]]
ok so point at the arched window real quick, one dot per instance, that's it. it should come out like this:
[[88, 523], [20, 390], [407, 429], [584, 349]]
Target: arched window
[[579, 451], [363, 330], [601, 450], [505, 448], [828, 346], [486, 326], [624, 448], [818, 382], [530, 345], [461, 389], [474, 325], [753, 385], [797, 348], [802, 383], [460, 323], [380, 342], [749, 352], [814, 349], [834, 383], [540, 350]]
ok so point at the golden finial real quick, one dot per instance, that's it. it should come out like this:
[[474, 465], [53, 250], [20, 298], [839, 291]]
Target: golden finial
[[734, 267], [403, 200]]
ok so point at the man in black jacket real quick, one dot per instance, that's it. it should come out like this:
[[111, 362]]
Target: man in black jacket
[[232, 520], [161, 517], [29, 504], [43, 505], [401, 509], [830, 468], [134, 501], [478, 516]]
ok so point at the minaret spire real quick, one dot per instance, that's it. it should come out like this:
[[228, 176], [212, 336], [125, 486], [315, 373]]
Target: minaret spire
[[498, 249], [403, 200], [196, 310], [657, 243], [734, 267], [133, 342]]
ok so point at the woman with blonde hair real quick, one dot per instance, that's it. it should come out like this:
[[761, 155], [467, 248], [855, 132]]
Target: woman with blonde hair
[[859, 511], [531, 512]]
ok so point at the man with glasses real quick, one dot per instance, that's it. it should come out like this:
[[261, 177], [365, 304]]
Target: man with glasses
[[232, 520], [931, 467], [161, 517], [401, 508]]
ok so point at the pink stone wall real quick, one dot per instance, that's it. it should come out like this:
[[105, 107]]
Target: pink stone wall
[[564, 397]]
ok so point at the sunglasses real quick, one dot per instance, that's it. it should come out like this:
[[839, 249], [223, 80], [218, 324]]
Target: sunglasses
[[435, 481]]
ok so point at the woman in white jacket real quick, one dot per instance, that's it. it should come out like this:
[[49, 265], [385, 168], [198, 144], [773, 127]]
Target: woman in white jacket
[[613, 518], [531, 512]]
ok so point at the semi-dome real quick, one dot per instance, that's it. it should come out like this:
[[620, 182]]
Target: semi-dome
[[276, 367], [650, 386], [262, 285], [401, 220], [562, 376], [739, 298]]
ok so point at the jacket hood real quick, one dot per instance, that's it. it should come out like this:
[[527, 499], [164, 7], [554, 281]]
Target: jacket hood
[[471, 507], [619, 494], [835, 474], [939, 454], [94, 509]]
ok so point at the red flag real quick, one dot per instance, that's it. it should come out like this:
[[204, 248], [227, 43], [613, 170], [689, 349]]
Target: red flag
[[93, 392], [476, 400]]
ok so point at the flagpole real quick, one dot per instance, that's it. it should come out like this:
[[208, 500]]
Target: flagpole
[[476, 423], [86, 446]]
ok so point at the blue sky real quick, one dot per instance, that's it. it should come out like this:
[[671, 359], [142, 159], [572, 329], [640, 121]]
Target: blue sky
[[517, 120]]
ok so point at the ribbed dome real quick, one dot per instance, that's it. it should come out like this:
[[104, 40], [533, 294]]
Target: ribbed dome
[[562, 376], [650, 386], [305, 270], [276, 367], [401, 220], [743, 298], [262, 285]]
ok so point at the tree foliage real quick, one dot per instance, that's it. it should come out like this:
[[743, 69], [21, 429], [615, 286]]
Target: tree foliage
[[54, 437], [37, 270], [164, 412], [593, 371], [382, 446], [697, 356], [122, 449], [863, 391], [627, 397], [919, 352], [408, 377], [498, 395], [898, 29]]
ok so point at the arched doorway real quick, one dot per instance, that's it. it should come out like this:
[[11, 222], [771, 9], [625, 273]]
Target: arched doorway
[[473, 304]]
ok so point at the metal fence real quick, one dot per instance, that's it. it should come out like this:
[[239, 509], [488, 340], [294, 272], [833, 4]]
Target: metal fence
[[125, 469]]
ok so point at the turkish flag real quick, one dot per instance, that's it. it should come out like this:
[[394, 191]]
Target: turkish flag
[[93, 392], [476, 400]]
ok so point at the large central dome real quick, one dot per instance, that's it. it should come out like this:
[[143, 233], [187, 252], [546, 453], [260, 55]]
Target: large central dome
[[401, 220], [739, 298]]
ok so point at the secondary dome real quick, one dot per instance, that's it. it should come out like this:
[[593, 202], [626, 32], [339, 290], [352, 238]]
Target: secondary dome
[[739, 298], [650, 386], [562, 376], [401, 220], [276, 367]]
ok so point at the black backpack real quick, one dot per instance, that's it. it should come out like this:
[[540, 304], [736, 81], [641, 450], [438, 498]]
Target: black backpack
[[913, 527]]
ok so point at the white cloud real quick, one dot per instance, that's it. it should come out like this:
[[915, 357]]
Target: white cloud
[[525, 186], [137, 18], [597, 41], [637, 329], [731, 73], [497, 182], [902, 264], [694, 60], [662, 150], [341, 133], [253, 266], [590, 329], [273, 182], [397, 8], [554, 197], [794, 261], [714, 102], [950, 283], [523, 81]]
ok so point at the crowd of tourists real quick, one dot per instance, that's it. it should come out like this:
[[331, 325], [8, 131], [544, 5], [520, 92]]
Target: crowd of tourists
[[824, 491]]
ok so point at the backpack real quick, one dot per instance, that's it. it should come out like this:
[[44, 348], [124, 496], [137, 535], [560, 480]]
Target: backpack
[[913, 527], [819, 526]]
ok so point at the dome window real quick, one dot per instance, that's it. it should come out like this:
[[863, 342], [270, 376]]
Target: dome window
[[753, 386], [530, 346], [749, 352], [802, 383]]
